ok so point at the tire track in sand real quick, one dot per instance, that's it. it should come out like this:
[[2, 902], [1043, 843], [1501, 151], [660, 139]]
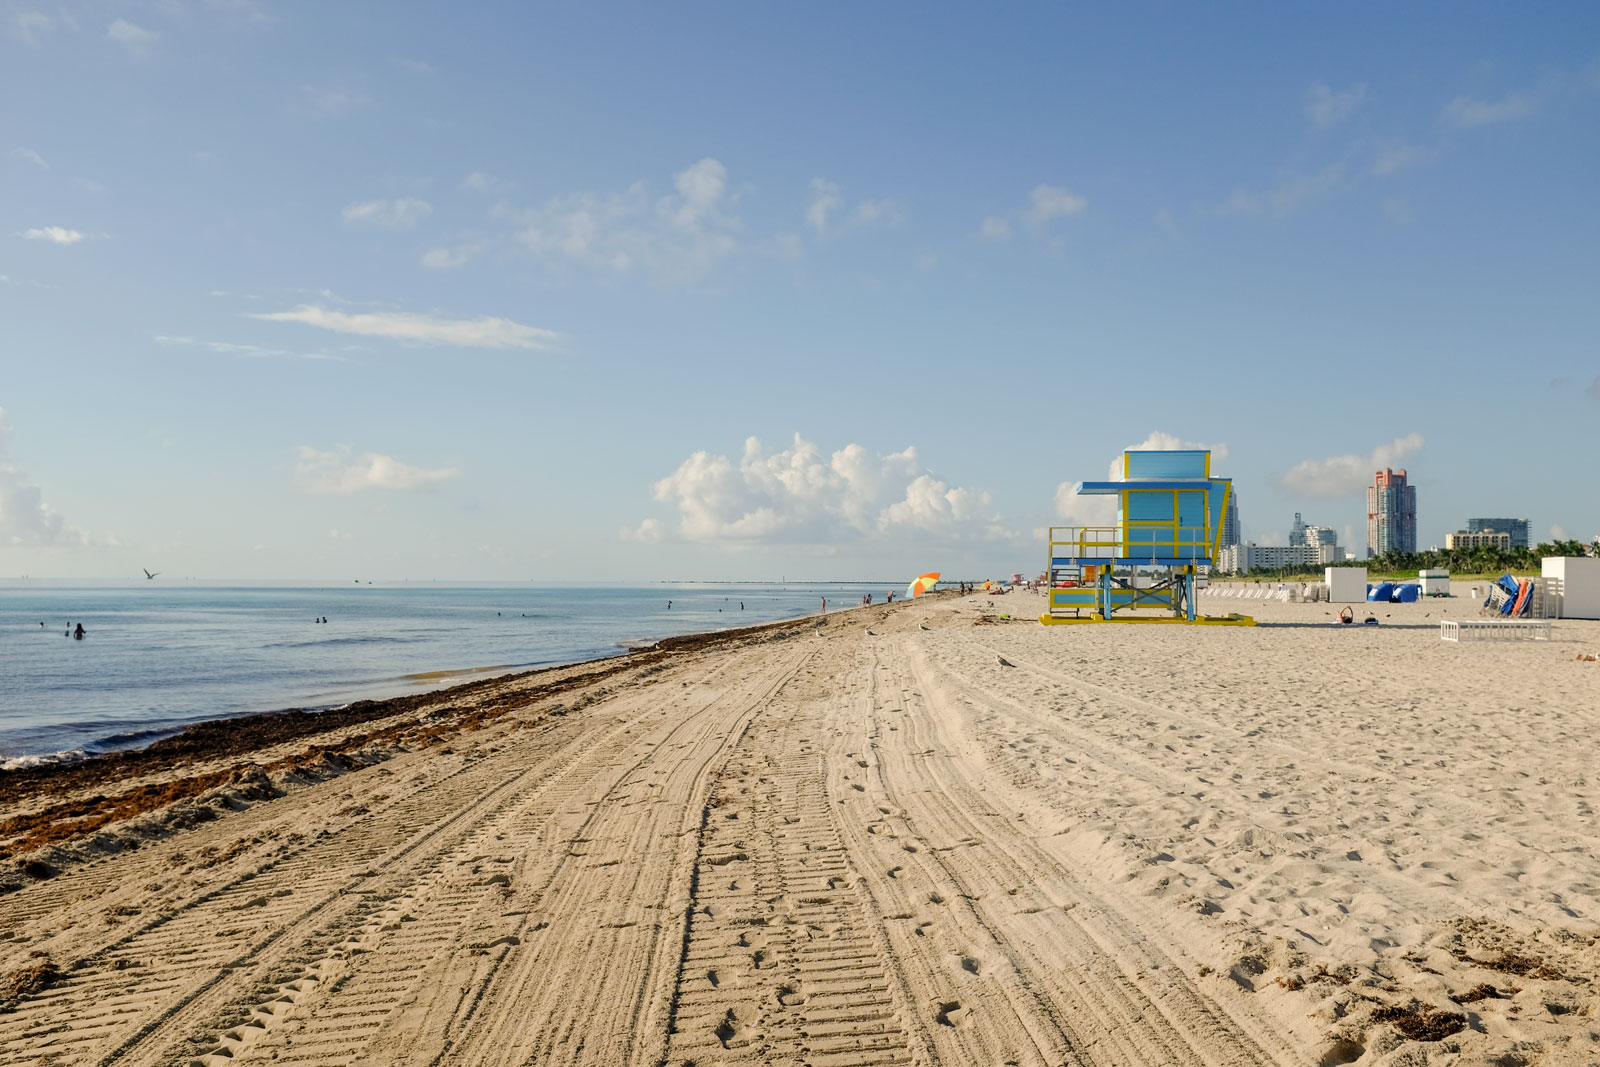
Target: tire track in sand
[[244, 937]]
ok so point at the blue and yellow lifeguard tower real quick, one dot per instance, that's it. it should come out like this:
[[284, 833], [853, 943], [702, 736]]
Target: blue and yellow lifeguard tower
[[1169, 526]]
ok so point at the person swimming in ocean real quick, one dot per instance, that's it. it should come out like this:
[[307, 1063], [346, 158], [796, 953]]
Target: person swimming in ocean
[[79, 632]]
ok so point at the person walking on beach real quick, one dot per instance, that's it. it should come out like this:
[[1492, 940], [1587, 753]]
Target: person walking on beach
[[824, 605]]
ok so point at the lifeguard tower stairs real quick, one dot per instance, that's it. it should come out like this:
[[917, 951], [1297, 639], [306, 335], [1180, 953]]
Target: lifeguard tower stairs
[[1145, 568]]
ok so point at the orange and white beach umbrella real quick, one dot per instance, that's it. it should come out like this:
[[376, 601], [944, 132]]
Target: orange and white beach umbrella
[[924, 584]]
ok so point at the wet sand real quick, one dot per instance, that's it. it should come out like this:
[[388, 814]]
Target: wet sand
[[1292, 844]]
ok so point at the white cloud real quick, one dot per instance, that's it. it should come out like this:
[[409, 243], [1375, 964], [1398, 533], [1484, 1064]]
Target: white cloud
[[673, 238], [1102, 510], [399, 213], [798, 496], [1464, 112], [330, 102], [486, 332], [1048, 202], [479, 182], [647, 532], [30, 156], [1594, 389], [873, 212], [1338, 476], [29, 26], [1326, 107], [1396, 158], [1045, 204], [231, 348], [825, 199], [1292, 190], [448, 258], [337, 472], [415, 66], [135, 39], [53, 234], [25, 519], [1558, 532]]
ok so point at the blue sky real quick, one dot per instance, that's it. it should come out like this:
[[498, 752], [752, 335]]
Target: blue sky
[[312, 290]]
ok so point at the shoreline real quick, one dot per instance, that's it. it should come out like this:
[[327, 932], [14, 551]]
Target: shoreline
[[238, 736], [317, 698]]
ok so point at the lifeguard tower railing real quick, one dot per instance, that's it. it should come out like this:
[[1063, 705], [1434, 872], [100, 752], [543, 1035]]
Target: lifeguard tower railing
[[1133, 565]]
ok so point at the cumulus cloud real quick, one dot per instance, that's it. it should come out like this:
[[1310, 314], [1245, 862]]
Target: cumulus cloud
[[672, 238], [800, 496], [1325, 107], [479, 182], [1338, 476], [26, 521], [337, 471], [448, 258], [1048, 202], [1102, 510], [29, 155], [827, 199], [1396, 158], [1292, 190], [1465, 113], [487, 332], [54, 234], [995, 228], [135, 39], [29, 26], [398, 214]]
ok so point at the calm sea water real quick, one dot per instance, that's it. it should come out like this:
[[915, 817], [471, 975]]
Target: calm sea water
[[160, 655]]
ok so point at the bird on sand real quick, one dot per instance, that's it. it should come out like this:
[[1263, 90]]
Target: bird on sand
[[1004, 662], [147, 573]]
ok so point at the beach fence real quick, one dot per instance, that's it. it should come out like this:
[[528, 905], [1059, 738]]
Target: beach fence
[[1458, 630], [1284, 592]]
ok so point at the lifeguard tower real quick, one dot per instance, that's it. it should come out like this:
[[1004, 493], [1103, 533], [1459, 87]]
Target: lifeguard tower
[[1143, 569]]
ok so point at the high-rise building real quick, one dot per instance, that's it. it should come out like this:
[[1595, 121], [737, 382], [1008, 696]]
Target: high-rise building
[[1297, 532], [1517, 528], [1391, 514], [1230, 521], [1320, 535]]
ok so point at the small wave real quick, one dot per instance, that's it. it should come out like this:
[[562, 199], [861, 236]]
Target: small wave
[[66, 755], [374, 640]]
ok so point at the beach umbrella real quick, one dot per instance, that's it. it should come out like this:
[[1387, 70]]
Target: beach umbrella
[[924, 584]]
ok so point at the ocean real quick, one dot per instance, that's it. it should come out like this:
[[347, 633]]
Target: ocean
[[160, 655]]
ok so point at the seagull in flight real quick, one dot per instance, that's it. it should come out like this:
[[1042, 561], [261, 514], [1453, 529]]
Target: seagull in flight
[[147, 573]]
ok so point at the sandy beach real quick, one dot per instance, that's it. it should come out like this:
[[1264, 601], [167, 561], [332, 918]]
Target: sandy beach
[[909, 834]]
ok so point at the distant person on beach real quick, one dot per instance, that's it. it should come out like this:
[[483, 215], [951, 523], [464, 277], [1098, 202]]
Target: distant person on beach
[[669, 605], [741, 608], [78, 633], [824, 605]]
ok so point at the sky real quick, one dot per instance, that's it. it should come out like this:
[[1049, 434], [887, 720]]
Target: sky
[[749, 291]]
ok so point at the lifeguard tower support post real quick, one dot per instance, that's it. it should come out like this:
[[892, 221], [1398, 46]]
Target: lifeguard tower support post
[[1169, 525]]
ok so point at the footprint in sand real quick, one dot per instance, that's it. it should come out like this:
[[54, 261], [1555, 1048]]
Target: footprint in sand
[[894, 872], [950, 1013]]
